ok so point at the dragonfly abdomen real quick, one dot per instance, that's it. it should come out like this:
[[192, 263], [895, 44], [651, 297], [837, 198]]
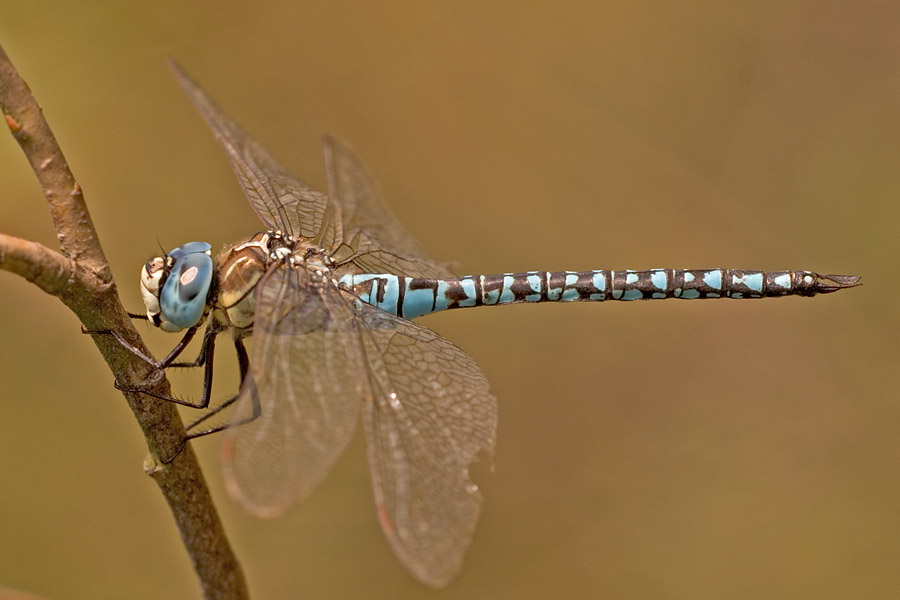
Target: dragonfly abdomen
[[412, 297]]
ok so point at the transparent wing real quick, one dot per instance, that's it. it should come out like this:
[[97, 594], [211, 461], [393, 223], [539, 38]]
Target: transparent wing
[[280, 200], [431, 415], [317, 355], [306, 370], [368, 226]]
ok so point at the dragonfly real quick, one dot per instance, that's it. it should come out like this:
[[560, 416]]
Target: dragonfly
[[329, 289]]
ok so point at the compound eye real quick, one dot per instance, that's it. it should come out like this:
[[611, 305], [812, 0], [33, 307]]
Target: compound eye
[[184, 294]]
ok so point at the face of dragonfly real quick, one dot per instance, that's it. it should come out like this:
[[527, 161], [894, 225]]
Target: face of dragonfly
[[175, 287]]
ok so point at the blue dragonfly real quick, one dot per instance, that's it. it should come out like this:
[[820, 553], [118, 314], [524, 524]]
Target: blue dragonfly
[[329, 290]]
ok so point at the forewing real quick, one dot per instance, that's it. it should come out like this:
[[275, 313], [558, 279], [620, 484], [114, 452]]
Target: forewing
[[280, 200], [306, 370], [381, 242], [431, 415]]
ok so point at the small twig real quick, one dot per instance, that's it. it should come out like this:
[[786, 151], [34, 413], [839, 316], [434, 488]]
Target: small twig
[[46, 268], [80, 276]]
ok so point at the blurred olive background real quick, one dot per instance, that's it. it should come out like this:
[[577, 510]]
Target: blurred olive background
[[646, 450]]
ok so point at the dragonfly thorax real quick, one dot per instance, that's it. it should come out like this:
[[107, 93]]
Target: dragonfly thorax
[[318, 264], [280, 246], [241, 267]]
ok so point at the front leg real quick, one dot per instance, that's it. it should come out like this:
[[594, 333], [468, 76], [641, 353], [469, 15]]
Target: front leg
[[165, 362]]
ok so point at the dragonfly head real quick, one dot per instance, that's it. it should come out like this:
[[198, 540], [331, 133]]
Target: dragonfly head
[[175, 287]]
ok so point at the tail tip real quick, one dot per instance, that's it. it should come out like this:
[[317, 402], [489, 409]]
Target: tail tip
[[826, 284]]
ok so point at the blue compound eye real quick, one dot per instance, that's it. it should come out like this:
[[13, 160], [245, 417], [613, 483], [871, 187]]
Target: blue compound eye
[[183, 298]]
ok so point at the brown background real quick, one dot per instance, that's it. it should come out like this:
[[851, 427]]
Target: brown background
[[652, 450]]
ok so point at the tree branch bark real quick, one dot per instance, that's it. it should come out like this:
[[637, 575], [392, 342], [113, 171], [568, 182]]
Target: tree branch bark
[[80, 276]]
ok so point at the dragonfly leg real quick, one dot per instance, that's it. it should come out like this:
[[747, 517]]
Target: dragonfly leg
[[122, 342], [179, 348], [205, 359], [196, 434], [169, 360], [244, 365]]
